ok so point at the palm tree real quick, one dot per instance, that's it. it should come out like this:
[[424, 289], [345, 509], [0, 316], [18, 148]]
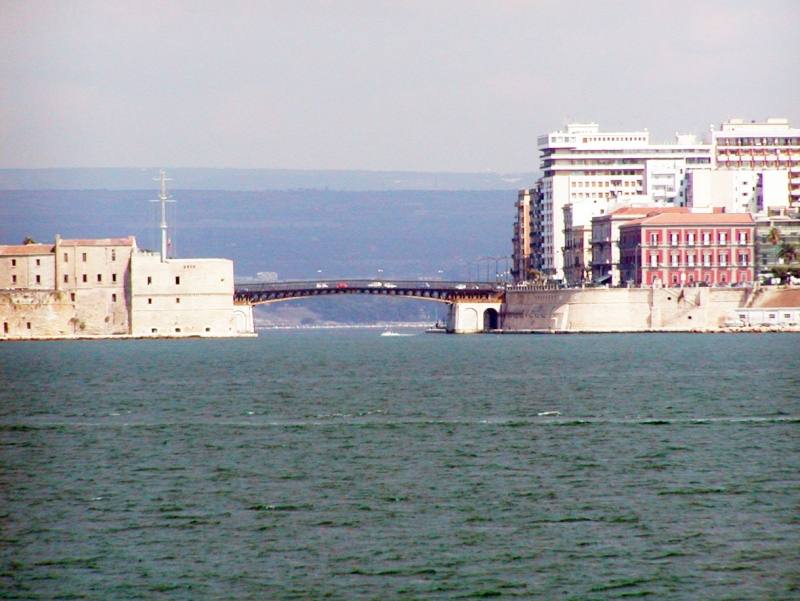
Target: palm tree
[[774, 236], [788, 252]]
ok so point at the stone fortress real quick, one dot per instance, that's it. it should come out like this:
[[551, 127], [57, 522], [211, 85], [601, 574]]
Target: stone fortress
[[109, 288]]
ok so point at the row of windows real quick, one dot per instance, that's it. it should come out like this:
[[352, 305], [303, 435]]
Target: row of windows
[[84, 278], [691, 238], [177, 280], [84, 256]]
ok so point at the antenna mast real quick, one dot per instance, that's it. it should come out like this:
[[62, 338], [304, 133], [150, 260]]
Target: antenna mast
[[163, 199]]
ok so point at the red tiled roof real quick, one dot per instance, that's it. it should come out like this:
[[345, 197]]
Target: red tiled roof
[[698, 219], [129, 241], [27, 249]]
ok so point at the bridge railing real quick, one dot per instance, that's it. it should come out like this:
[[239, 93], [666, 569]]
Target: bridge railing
[[285, 286]]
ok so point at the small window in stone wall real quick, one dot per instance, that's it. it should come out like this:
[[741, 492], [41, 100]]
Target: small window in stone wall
[[5, 328], [38, 279], [66, 279], [83, 257], [29, 325], [113, 298], [84, 278], [177, 300], [154, 330], [149, 301], [13, 279], [13, 262], [99, 277], [177, 280], [66, 258], [72, 297], [208, 329], [113, 277], [178, 330], [38, 262], [149, 280]]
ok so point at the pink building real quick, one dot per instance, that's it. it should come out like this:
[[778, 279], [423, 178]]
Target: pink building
[[675, 249]]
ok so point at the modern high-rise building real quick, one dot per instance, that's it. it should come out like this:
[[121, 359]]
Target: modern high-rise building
[[595, 171], [739, 168]]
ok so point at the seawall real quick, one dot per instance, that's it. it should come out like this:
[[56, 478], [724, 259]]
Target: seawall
[[636, 309]]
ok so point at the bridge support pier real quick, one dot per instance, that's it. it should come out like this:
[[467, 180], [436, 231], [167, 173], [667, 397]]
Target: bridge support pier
[[471, 317]]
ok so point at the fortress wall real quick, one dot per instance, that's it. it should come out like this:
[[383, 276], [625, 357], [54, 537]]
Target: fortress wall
[[621, 309], [53, 313]]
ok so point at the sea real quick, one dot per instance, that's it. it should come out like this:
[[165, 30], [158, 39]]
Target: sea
[[342, 464]]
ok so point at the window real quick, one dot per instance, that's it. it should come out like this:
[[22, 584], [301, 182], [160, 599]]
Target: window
[[38, 279], [72, 297], [38, 262], [706, 259], [84, 257], [13, 262], [177, 280], [208, 329], [84, 278], [13, 279], [154, 330], [113, 298], [723, 259], [66, 279], [149, 301], [66, 258], [653, 239], [149, 280], [653, 260], [28, 324], [5, 328], [723, 238], [99, 277], [673, 260], [673, 239], [742, 258], [113, 277], [690, 239], [706, 238], [113, 255], [177, 300], [178, 330], [742, 237]]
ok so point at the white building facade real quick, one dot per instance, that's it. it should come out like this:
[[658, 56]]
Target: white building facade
[[596, 171], [741, 167]]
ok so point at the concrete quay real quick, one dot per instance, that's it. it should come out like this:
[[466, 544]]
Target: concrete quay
[[615, 310]]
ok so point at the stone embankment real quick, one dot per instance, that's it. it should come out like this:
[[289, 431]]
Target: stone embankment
[[606, 310]]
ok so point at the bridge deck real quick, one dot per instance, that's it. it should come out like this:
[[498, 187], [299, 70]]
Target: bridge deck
[[445, 292]]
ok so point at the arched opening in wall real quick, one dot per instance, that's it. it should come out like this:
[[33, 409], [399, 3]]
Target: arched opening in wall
[[491, 320], [241, 321]]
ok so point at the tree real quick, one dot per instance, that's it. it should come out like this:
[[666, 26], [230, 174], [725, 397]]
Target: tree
[[29, 240], [788, 252], [774, 236]]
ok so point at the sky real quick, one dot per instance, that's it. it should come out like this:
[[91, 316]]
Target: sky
[[408, 85]]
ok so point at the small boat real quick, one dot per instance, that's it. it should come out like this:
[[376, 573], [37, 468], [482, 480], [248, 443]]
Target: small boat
[[391, 333]]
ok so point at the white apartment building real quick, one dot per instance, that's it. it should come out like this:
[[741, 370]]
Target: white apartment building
[[597, 171], [766, 153], [741, 167]]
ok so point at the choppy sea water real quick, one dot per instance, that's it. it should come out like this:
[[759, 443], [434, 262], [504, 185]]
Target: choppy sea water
[[346, 465]]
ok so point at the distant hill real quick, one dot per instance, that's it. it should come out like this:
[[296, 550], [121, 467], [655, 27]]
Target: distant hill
[[304, 234], [258, 179]]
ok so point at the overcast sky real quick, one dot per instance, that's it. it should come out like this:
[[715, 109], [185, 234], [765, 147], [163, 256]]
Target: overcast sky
[[425, 85]]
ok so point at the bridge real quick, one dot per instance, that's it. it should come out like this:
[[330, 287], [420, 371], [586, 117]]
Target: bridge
[[474, 306]]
